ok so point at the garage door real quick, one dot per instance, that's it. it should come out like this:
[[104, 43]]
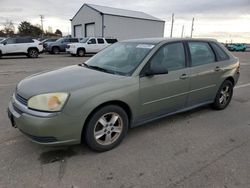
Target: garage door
[[78, 31], [90, 30]]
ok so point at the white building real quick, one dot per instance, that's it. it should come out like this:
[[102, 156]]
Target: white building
[[101, 21]]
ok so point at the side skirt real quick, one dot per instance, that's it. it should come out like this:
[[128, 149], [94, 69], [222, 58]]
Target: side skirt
[[150, 118]]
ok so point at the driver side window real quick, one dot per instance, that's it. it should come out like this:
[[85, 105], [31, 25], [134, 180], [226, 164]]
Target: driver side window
[[169, 57]]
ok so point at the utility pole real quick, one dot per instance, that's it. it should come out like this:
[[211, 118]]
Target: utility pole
[[192, 28], [172, 26], [182, 32], [42, 17]]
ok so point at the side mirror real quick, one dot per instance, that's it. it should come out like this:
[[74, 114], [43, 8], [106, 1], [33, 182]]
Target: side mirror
[[156, 70], [4, 43], [89, 42]]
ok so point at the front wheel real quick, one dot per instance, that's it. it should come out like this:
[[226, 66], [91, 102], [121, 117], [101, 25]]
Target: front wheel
[[224, 95], [81, 52], [106, 128]]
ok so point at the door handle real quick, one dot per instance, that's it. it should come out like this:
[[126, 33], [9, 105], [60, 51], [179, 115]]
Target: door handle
[[184, 76], [217, 69]]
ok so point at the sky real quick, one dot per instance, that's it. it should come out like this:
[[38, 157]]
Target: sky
[[225, 20]]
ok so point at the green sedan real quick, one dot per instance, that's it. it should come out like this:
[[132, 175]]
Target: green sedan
[[124, 86]]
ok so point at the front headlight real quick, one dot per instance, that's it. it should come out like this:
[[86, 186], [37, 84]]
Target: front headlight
[[52, 102]]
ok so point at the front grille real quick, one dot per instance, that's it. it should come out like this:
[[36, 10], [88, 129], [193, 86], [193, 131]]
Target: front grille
[[21, 99]]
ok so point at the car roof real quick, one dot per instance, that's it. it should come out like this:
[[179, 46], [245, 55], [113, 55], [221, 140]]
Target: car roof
[[159, 40]]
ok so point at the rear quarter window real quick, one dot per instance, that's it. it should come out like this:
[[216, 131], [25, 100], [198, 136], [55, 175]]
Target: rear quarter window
[[111, 41], [220, 53]]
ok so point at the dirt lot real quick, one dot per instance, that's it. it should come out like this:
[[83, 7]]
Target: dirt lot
[[200, 148]]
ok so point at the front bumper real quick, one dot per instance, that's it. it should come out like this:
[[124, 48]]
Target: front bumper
[[45, 128], [71, 51]]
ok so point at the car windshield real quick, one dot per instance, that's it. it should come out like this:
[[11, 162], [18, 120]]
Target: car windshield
[[84, 40], [121, 58], [59, 40]]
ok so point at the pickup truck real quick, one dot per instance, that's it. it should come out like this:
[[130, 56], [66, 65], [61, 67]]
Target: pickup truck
[[89, 45]]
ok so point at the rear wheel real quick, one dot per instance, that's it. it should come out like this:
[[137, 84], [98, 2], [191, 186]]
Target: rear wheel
[[55, 50], [33, 53], [106, 128], [224, 95], [81, 52]]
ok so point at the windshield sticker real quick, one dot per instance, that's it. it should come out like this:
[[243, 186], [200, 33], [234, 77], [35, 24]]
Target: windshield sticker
[[148, 46]]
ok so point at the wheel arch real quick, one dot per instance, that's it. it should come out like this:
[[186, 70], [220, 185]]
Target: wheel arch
[[33, 47], [119, 103], [81, 48], [231, 79]]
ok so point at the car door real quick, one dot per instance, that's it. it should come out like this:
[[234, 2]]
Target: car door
[[101, 44], [10, 46], [166, 93], [204, 73], [22, 44], [92, 46]]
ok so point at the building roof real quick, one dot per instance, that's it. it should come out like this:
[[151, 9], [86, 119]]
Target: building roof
[[120, 12]]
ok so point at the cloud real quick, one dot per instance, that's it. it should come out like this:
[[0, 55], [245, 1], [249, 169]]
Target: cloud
[[210, 15]]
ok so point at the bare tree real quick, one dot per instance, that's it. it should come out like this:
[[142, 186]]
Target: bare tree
[[9, 28]]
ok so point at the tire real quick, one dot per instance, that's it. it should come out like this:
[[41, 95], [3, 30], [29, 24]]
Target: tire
[[81, 52], [224, 95], [0, 54], [106, 128], [33, 53], [55, 50]]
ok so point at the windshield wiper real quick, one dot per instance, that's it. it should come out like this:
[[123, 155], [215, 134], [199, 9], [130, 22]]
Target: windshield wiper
[[96, 68]]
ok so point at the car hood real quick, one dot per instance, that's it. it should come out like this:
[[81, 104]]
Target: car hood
[[67, 79]]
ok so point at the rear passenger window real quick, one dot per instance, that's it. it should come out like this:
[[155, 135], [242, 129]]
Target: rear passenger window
[[24, 40], [201, 53], [170, 57], [100, 41], [221, 55]]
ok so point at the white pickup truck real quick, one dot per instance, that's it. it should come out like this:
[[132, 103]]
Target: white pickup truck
[[89, 45]]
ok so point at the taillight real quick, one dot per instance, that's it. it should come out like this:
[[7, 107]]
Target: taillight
[[238, 68]]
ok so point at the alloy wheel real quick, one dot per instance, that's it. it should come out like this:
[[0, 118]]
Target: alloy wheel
[[108, 128]]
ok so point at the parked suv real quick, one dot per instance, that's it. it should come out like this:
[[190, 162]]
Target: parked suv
[[89, 45], [123, 86], [59, 45], [20, 46]]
